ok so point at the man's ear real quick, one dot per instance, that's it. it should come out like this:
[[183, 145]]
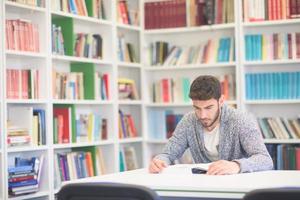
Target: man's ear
[[221, 100]]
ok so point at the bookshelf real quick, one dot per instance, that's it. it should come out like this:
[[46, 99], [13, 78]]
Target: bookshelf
[[190, 36], [129, 68], [261, 108], [288, 106], [126, 54]]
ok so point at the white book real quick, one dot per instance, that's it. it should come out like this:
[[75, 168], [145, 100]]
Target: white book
[[21, 117]]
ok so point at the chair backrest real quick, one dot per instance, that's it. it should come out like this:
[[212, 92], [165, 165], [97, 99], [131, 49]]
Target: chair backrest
[[105, 191], [273, 194]]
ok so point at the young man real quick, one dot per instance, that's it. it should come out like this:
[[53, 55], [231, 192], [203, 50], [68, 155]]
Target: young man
[[215, 133]]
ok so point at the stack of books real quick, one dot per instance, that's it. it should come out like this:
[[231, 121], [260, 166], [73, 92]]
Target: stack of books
[[24, 177]]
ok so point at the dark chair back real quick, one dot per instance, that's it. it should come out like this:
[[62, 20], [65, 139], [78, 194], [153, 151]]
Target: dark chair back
[[105, 191], [274, 194]]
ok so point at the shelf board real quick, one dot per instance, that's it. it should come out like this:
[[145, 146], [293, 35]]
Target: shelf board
[[83, 144], [25, 54], [83, 102], [129, 65], [30, 196], [190, 29], [80, 59], [157, 141], [279, 141], [26, 148], [279, 101], [169, 104], [130, 140], [192, 66], [26, 101], [129, 27], [83, 18], [24, 6], [271, 23], [180, 104], [272, 62], [129, 102]]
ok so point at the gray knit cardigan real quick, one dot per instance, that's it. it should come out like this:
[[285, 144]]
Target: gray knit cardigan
[[240, 140]]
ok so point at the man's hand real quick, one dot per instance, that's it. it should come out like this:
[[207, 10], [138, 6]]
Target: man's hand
[[157, 166], [222, 167]]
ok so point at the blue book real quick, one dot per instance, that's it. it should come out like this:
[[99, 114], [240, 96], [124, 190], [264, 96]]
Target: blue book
[[42, 125], [22, 183], [248, 86], [298, 85], [279, 157], [20, 169]]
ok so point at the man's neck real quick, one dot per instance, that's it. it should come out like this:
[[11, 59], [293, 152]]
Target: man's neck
[[214, 125]]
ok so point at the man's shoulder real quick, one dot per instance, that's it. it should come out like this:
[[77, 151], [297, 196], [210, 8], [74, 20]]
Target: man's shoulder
[[234, 115], [189, 117]]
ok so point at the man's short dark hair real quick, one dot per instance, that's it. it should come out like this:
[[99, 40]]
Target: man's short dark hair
[[205, 87]]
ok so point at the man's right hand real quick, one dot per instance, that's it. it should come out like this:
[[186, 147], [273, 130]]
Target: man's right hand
[[157, 166]]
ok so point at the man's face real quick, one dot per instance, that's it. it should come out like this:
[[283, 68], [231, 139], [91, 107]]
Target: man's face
[[207, 111]]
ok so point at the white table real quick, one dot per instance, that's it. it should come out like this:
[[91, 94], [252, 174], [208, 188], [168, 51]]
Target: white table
[[202, 186]]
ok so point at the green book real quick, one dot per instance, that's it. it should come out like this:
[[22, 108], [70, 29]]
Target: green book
[[88, 70], [67, 29]]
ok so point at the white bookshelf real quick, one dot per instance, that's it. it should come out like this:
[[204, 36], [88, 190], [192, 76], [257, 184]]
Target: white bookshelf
[[189, 36], [141, 72]]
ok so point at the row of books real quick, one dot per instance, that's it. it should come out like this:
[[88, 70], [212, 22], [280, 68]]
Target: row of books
[[127, 89], [24, 176], [57, 40], [128, 158], [270, 10], [176, 90], [163, 123], [126, 50], [165, 14], [89, 127], [80, 163], [213, 51], [71, 126], [76, 7], [211, 12], [285, 157], [88, 45], [22, 35], [127, 128], [83, 83], [276, 85], [22, 84], [272, 47], [127, 14], [279, 128], [68, 85], [168, 90], [38, 3], [26, 126]]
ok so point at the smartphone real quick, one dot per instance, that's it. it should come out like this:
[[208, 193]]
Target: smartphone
[[198, 170]]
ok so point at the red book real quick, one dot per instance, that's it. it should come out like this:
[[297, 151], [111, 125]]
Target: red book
[[297, 153], [107, 86], [290, 49], [165, 90], [297, 35], [66, 115], [25, 75]]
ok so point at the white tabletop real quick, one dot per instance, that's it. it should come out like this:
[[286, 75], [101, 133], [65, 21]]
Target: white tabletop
[[201, 185]]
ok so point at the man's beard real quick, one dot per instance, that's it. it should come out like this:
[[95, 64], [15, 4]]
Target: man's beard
[[213, 121]]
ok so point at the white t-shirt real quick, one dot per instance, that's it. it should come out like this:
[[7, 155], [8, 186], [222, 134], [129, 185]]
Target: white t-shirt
[[211, 141]]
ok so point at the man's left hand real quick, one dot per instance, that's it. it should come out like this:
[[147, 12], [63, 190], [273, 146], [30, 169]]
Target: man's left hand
[[222, 167]]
